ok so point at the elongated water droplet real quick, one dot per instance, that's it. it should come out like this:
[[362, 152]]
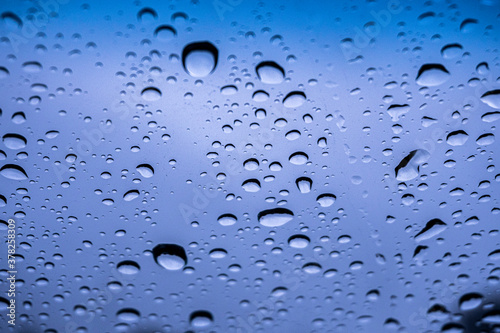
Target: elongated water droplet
[[14, 172], [275, 217], [432, 75]]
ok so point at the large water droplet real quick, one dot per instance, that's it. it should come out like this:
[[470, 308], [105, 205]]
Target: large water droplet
[[14, 141], [457, 138], [227, 219], [13, 172], [270, 72], [131, 195], [492, 98], [298, 158], [298, 241], [200, 58], [251, 185], [170, 256], [486, 139], [151, 94], [451, 51], [145, 170], [408, 168], [304, 184], [128, 315], [294, 99], [128, 267], [432, 75], [201, 319], [275, 217], [433, 228], [470, 301], [326, 199]]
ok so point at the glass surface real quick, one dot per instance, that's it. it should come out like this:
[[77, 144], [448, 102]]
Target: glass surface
[[250, 166]]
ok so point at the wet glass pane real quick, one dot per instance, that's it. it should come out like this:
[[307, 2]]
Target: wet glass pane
[[249, 166]]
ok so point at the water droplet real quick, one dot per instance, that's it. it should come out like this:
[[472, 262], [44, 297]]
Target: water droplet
[[294, 99], [433, 228], [147, 15], [468, 25], [201, 319], [326, 199], [292, 135], [200, 58], [151, 94], [485, 139], [312, 268], [270, 72], [128, 315], [227, 219], [14, 141], [170, 256], [304, 184], [298, 241], [251, 185], [145, 170], [218, 253], [228, 90], [13, 172], [492, 98], [251, 164], [298, 158], [490, 117], [275, 217], [432, 75], [470, 301], [32, 67], [260, 96], [128, 267], [457, 138], [408, 168], [451, 51], [165, 33], [397, 110], [131, 195], [11, 21]]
